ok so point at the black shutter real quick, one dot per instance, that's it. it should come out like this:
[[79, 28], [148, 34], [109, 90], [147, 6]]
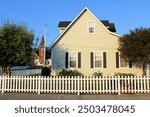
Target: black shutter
[[130, 64], [104, 60], [91, 59], [66, 60], [79, 60], [117, 59]]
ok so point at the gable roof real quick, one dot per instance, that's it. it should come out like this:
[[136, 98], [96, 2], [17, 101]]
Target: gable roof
[[75, 19]]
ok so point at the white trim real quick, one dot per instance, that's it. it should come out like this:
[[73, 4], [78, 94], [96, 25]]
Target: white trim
[[120, 63], [94, 59], [88, 26], [76, 19]]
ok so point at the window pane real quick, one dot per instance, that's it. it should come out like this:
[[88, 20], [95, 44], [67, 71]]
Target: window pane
[[72, 56], [73, 64], [91, 24], [98, 63], [91, 30], [98, 56]]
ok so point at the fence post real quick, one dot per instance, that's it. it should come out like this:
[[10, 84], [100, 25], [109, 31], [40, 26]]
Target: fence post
[[3, 84], [39, 84], [78, 85], [118, 84]]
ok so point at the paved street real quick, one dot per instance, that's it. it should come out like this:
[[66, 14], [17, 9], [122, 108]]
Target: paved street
[[19, 96]]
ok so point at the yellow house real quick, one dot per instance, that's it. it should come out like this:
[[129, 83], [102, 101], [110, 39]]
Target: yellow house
[[89, 45]]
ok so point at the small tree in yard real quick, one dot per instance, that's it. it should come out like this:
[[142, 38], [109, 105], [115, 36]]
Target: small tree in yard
[[15, 45], [135, 46]]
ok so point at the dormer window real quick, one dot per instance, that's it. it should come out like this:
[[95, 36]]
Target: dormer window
[[91, 27]]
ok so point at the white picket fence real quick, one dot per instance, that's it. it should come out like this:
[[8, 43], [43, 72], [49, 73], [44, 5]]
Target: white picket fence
[[79, 85]]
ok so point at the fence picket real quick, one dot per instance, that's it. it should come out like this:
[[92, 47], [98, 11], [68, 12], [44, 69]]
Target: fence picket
[[69, 83], [118, 84], [81, 85], [66, 84], [13, 84], [63, 84], [103, 84], [59, 84], [144, 84], [5, 83], [125, 84], [87, 84], [141, 85], [51, 84], [135, 80], [122, 84], [148, 78], [138, 84], [90, 85], [48, 84], [109, 84], [78, 85], [113, 86], [44, 84], [131, 82], [39, 85], [36, 84], [128, 84]]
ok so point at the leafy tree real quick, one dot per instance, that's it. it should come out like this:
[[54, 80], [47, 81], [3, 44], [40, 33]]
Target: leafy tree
[[135, 46], [15, 45]]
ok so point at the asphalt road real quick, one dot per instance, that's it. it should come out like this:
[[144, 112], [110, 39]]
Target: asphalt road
[[27, 96]]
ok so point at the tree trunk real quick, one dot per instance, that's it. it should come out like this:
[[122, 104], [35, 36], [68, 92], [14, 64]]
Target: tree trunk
[[6, 71], [144, 70]]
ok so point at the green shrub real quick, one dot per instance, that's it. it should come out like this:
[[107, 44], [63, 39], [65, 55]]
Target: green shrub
[[45, 71], [124, 74], [97, 74], [69, 73]]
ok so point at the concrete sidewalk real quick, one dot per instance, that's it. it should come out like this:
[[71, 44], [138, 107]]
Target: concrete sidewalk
[[27, 96]]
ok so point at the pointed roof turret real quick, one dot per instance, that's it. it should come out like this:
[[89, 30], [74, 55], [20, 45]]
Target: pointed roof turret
[[42, 41]]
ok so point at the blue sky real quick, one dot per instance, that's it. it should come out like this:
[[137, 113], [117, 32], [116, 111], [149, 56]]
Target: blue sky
[[126, 15]]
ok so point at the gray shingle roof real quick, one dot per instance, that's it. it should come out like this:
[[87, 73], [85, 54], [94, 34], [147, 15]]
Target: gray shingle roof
[[64, 23]]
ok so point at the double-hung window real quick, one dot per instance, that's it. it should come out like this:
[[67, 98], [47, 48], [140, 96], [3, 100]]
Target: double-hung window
[[98, 60], [91, 27], [73, 58]]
